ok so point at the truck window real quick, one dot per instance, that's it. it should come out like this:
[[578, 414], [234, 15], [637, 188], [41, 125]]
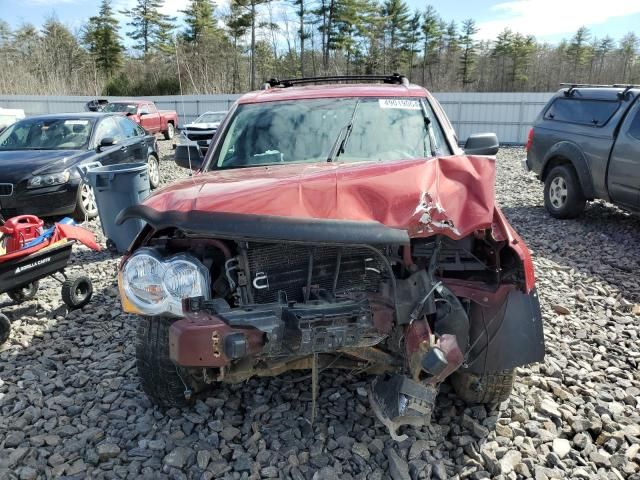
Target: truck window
[[634, 128], [585, 112]]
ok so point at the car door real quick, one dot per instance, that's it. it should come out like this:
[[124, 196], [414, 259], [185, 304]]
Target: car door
[[623, 177], [136, 139], [149, 117], [118, 153]]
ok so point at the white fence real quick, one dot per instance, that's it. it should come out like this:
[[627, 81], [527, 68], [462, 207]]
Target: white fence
[[507, 114]]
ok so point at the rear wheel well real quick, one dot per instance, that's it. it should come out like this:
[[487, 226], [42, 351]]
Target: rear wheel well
[[554, 162]]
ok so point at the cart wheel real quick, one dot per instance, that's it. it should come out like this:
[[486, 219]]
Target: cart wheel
[[24, 293], [5, 328], [77, 291], [111, 246]]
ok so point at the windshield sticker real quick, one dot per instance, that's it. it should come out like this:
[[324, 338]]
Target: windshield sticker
[[400, 103], [76, 122]]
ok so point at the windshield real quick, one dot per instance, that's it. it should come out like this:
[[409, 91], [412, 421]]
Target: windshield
[[47, 134], [211, 117], [120, 107], [332, 129]]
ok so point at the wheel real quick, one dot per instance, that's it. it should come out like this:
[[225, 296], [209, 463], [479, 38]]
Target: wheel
[[166, 384], [153, 165], [5, 328], [168, 135], [563, 197], [24, 293], [76, 291], [487, 388], [86, 206]]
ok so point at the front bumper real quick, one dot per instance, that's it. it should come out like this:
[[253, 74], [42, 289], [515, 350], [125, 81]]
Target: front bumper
[[211, 336], [43, 202]]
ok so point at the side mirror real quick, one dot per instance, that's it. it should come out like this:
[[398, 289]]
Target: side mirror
[[107, 142], [182, 158], [482, 144]]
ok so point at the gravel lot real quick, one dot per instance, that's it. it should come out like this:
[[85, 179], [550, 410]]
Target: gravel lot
[[70, 403]]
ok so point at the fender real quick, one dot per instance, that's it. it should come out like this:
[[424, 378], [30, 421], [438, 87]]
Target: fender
[[576, 157]]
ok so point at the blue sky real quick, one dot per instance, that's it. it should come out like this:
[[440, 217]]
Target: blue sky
[[548, 20]]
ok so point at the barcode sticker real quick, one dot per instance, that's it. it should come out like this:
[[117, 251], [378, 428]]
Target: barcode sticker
[[401, 103]]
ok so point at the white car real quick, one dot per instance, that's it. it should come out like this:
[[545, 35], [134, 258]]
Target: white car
[[9, 116], [195, 138]]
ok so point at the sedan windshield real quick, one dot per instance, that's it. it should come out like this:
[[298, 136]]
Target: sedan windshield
[[211, 117], [47, 134], [333, 129], [120, 107]]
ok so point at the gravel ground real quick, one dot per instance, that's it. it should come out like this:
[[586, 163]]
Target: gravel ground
[[71, 405]]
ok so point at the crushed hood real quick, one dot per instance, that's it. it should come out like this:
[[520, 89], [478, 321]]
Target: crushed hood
[[449, 195]]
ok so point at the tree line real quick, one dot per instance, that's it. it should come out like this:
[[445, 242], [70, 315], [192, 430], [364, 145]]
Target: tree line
[[213, 50]]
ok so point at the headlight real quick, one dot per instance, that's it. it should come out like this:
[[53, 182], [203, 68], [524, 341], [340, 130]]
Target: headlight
[[156, 286], [49, 179]]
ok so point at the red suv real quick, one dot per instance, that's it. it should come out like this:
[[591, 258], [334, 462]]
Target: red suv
[[340, 226]]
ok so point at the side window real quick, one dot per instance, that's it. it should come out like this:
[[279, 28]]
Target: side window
[[144, 109], [129, 128], [585, 112], [634, 128], [151, 108], [108, 128]]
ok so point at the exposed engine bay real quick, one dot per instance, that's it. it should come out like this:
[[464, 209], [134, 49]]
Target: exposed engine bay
[[399, 310]]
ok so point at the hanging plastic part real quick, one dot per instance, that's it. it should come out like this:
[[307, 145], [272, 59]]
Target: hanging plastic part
[[399, 401]]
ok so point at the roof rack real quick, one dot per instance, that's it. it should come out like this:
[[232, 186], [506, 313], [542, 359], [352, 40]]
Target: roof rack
[[622, 95], [395, 79]]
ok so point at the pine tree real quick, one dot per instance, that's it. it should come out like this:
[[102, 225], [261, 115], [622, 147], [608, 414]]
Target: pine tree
[[432, 35], [103, 40], [397, 16], [301, 13], [198, 17], [577, 52], [151, 28], [251, 8], [468, 55]]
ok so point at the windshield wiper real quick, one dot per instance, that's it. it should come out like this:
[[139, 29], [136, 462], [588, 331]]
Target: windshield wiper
[[343, 137], [432, 137]]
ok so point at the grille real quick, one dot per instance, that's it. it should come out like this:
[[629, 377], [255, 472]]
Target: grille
[[199, 136], [6, 189], [286, 269]]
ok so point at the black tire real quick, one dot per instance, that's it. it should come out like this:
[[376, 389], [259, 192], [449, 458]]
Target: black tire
[[171, 130], [166, 384], [487, 388], [5, 328], [76, 291], [563, 196], [24, 293], [153, 166], [82, 212]]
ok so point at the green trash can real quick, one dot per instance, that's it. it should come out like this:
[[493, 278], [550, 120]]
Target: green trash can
[[117, 187]]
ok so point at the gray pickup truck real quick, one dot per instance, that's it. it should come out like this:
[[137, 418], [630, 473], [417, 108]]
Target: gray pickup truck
[[585, 144]]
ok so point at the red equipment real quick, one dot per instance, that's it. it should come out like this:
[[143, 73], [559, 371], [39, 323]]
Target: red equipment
[[19, 230]]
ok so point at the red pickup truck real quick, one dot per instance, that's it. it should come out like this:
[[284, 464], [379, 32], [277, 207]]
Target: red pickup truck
[[145, 113]]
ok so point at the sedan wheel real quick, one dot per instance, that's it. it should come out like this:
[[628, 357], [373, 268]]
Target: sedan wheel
[[153, 166], [86, 206]]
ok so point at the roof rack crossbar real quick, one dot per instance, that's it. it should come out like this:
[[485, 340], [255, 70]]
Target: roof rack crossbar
[[395, 79], [572, 86]]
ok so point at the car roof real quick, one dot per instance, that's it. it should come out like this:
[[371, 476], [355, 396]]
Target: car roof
[[135, 102], [72, 116], [333, 91]]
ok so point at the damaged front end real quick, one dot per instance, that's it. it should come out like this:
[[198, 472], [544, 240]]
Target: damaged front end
[[277, 294]]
